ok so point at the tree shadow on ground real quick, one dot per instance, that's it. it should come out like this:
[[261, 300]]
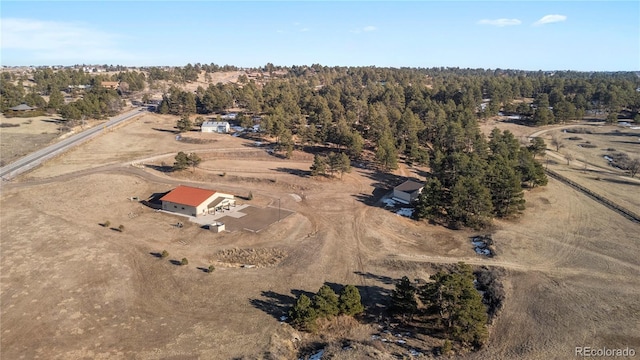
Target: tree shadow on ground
[[623, 182], [203, 269], [273, 303], [297, 172], [166, 130], [175, 262], [161, 168], [156, 254], [381, 278]]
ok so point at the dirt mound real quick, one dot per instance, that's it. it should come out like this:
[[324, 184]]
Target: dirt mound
[[251, 257]]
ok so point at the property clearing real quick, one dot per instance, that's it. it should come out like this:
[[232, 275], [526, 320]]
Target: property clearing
[[72, 288]]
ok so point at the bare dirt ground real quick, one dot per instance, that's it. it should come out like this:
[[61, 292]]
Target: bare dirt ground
[[71, 288]]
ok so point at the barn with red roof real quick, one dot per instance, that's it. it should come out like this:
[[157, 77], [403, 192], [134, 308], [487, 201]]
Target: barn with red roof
[[194, 201]]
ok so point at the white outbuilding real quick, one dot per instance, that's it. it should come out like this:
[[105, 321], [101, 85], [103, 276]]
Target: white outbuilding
[[221, 127], [407, 192]]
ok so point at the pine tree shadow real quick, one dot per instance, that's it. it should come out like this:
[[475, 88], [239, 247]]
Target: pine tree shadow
[[273, 303]]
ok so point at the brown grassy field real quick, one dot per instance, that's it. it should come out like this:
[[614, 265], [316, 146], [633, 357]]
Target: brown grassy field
[[71, 288]]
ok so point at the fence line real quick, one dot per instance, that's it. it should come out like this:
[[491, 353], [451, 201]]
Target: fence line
[[599, 198]]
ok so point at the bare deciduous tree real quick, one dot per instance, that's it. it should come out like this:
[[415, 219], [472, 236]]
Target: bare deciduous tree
[[634, 166], [557, 142], [569, 158]]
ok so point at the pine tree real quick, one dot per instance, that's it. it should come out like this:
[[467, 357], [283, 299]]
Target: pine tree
[[505, 186], [454, 297], [350, 302], [430, 204], [184, 124], [470, 203], [182, 161], [403, 298], [319, 165], [303, 315], [387, 154], [326, 302], [56, 100]]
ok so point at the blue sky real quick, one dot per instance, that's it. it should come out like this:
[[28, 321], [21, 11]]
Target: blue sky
[[528, 35]]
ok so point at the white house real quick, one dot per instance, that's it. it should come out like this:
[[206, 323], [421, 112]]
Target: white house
[[407, 192], [193, 201], [215, 126], [229, 116]]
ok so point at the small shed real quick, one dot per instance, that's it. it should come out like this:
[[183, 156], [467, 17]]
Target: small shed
[[221, 127], [407, 192], [216, 227]]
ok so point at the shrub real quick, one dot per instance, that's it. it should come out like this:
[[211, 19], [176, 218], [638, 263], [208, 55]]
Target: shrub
[[106, 223], [184, 261], [211, 269], [250, 196], [447, 347], [121, 228], [164, 254]]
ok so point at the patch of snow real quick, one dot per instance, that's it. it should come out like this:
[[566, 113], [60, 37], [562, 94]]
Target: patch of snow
[[237, 128], [608, 158], [485, 252], [479, 244], [389, 202], [284, 318], [635, 128], [514, 117], [408, 212], [415, 352], [236, 134], [296, 197], [317, 356], [401, 341]]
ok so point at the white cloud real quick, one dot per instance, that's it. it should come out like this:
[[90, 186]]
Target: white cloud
[[60, 41], [364, 29], [500, 22], [548, 19]]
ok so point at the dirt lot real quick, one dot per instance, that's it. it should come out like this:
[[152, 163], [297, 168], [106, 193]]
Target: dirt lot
[[30, 134], [71, 288]]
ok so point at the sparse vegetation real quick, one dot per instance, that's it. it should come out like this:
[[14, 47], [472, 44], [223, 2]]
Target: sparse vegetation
[[106, 223], [184, 262], [211, 269], [121, 228], [164, 254]]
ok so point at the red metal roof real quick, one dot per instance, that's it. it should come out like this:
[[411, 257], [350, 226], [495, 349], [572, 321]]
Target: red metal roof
[[187, 195]]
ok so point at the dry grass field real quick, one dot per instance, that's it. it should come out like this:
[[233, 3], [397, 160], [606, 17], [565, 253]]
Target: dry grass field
[[71, 288]]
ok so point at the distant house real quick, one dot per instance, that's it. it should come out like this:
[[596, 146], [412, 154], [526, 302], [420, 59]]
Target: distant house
[[110, 84], [194, 201], [229, 116], [22, 108], [215, 126], [407, 192]]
